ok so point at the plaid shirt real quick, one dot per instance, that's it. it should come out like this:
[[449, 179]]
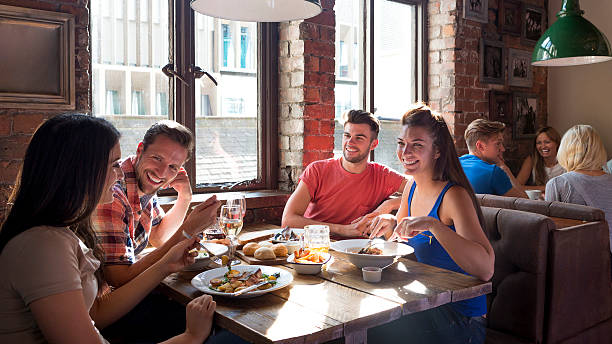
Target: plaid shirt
[[124, 225]]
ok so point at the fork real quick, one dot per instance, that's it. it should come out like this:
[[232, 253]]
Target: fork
[[210, 254]]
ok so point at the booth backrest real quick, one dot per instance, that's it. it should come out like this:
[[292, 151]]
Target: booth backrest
[[550, 285]]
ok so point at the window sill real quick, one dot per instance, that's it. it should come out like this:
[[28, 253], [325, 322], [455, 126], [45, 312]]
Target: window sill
[[255, 199]]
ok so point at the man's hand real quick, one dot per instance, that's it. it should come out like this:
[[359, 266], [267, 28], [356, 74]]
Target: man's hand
[[382, 225], [201, 216], [181, 184], [362, 223]]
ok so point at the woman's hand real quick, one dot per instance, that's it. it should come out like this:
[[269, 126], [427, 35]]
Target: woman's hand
[[409, 227], [179, 256], [200, 313], [382, 225], [201, 216]]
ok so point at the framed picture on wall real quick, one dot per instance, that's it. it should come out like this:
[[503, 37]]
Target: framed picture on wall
[[520, 72], [477, 10], [510, 17], [500, 106], [534, 24], [525, 107], [492, 59]]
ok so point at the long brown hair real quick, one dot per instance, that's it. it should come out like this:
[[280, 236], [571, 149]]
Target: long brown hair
[[539, 177], [62, 177], [447, 166]]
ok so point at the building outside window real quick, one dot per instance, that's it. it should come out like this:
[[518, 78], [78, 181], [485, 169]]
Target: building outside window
[[130, 45], [381, 77]]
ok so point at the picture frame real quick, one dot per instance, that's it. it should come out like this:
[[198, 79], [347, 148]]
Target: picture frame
[[533, 24], [525, 115], [492, 62], [39, 66], [510, 17], [520, 72], [500, 107], [477, 10]]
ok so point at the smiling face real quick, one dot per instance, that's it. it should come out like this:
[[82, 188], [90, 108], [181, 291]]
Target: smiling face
[[159, 164], [357, 142], [113, 174], [546, 146], [416, 151]]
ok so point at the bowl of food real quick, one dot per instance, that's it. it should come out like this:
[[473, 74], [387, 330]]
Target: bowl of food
[[203, 258], [308, 262], [379, 254]]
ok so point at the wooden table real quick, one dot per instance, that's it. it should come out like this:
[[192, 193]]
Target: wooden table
[[335, 303]]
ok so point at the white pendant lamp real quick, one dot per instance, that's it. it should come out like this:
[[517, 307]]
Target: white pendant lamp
[[258, 10]]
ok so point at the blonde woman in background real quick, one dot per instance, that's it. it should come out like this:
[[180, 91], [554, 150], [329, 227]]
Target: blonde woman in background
[[542, 165], [582, 154]]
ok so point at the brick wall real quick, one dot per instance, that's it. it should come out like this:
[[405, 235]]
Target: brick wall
[[17, 125], [454, 66], [306, 83]]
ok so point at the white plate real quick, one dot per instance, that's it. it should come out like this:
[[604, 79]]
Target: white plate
[[390, 250], [202, 280], [202, 260]]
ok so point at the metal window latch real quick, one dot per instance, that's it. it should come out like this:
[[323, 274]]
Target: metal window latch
[[170, 72], [199, 72]]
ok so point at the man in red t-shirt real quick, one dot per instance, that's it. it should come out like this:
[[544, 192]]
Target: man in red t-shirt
[[347, 192]]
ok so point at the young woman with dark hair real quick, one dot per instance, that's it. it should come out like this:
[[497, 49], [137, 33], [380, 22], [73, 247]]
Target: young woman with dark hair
[[440, 217], [49, 258], [541, 165]]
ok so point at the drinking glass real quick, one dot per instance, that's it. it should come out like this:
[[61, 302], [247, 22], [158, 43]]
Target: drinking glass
[[317, 237], [238, 200], [230, 221]]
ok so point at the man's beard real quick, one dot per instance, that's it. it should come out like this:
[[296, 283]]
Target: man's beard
[[356, 159], [139, 178]]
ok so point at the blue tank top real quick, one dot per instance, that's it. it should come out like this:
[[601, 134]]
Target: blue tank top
[[429, 251]]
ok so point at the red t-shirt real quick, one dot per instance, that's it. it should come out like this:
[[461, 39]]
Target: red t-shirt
[[338, 196]]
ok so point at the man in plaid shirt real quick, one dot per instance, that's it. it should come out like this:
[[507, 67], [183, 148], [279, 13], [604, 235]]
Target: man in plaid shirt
[[135, 218]]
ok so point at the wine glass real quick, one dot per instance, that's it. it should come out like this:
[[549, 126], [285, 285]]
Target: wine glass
[[230, 221], [238, 200]]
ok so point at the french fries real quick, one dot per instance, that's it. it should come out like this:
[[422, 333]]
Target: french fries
[[307, 256]]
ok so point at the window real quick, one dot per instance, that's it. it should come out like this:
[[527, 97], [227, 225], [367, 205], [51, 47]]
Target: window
[[130, 45], [384, 77]]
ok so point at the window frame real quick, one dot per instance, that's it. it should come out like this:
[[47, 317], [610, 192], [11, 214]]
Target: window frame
[[182, 55], [420, 54]]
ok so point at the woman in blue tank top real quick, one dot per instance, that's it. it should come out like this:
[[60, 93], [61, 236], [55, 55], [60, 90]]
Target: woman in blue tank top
[[440, 217]]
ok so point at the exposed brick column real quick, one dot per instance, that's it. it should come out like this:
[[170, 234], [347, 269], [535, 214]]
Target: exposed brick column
[[454, 71], [306, 83], [17, 125]]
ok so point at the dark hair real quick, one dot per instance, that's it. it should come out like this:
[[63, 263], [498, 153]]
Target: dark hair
[[539, 177], [362, 117], [62, 177], [447, 166], [172, 130], [481, 129]]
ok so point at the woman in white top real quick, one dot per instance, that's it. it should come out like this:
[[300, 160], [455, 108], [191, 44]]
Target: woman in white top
[[542, 165], [583, 154], [49, 258]]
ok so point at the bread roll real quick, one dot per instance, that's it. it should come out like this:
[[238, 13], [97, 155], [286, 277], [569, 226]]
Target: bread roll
[[264, 253], [265, 244], [250, 248], [280, 250]]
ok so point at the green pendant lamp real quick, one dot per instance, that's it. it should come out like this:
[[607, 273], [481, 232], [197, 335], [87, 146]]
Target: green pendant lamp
[[258, 10], [571, 40]]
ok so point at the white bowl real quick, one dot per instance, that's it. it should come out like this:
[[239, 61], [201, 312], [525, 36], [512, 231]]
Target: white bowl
[[306, 268], [202, 260], [350, 247]]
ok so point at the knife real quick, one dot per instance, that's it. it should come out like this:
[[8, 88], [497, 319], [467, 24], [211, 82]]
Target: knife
[[210, 254], [254, 286]]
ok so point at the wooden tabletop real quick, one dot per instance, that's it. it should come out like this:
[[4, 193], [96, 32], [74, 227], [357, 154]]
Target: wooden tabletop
[[335, 303]]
